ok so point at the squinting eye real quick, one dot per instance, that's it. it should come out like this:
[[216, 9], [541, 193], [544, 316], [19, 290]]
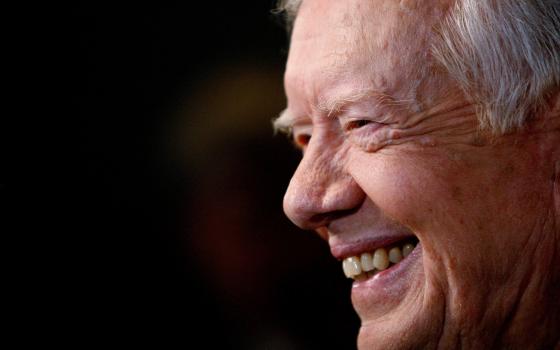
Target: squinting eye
[[302, 140], [355, 124]]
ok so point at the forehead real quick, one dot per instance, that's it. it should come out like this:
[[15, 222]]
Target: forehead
[[338, 47]]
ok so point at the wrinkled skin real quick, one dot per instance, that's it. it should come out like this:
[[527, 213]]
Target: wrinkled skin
[[400, 148]]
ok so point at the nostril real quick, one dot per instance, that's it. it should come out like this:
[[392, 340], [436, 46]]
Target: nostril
[[324, 219], [319, 220]]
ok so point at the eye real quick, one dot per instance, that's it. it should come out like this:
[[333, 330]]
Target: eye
[[356, 124], [302, 140], [301, 135]]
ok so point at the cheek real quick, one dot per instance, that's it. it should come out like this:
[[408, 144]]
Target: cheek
[[429, 195], [464, 212], [411, 190]]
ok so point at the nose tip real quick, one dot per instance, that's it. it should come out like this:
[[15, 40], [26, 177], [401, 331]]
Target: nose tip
[[313, 201], [302, 210]]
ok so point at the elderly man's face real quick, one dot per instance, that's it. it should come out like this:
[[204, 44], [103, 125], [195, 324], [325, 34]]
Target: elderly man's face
[[393, 156]]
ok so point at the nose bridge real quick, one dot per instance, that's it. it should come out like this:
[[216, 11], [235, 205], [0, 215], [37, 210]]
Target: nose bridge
[[319, 186]]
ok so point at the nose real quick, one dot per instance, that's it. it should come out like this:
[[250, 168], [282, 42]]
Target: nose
[[321, 190]]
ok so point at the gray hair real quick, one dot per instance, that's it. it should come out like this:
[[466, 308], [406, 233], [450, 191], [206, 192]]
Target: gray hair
[[504, 54]]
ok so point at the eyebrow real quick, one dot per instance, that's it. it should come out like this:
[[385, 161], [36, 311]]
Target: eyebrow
[[378, 99], [286, 120]]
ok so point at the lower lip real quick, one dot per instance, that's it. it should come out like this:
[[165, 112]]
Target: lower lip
[[389, 284]]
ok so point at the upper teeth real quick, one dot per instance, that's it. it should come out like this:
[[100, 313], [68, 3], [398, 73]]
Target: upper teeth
[[364, 265]]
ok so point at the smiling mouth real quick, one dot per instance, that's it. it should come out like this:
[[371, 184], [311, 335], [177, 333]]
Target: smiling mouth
[[367, 264]]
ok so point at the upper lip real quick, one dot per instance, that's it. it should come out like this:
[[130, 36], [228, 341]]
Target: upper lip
[[343, 249]]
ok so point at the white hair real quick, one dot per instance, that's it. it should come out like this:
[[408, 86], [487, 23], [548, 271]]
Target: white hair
[[504, 54]]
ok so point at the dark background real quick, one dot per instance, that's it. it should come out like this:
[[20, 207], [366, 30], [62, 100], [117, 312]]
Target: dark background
[[167, 182]]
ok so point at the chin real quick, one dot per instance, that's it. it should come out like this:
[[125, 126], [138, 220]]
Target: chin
[[398, 307]]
